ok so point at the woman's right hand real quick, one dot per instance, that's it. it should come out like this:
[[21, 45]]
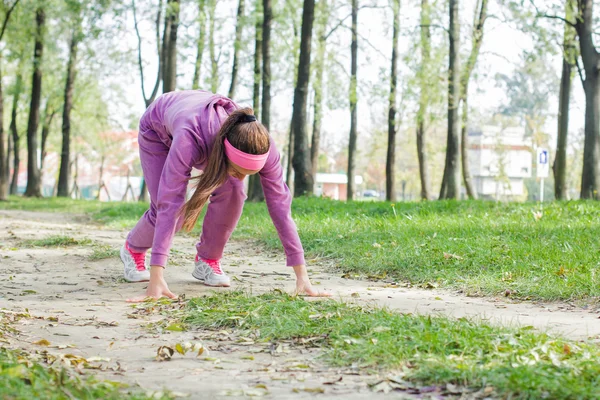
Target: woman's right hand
[[157, 287]]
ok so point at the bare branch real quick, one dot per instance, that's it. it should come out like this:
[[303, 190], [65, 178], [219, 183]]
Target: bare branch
[[540, 14], [139, 38], [341, 22], [5, 23], [579, 71], [159, 52]]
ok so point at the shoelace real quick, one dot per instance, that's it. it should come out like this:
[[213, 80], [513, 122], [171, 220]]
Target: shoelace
[[215, 265], [138, 258]]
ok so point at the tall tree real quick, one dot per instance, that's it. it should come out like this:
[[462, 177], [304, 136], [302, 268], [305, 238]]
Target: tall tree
[[424, 97], [570, 55], [266, 67], [64, 176], [8, 10], [33, 188], [451, 180], [477, 39], [590, 177], [322, 20], [353, 102], [303, 179], [169, 77], [255, 192], [199, 43], [214, 58], [15, 133], [390, 165], [49, 114], [236, 48]]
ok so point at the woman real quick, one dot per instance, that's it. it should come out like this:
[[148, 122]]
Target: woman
[[186, 129]]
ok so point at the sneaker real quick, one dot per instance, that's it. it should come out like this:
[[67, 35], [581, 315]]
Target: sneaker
[[134, 265], [210, 272]]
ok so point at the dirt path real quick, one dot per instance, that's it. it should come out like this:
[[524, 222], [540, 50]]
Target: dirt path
[[87, 297]]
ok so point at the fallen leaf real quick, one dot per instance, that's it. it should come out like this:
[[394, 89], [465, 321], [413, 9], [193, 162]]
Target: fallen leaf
[[179, 349], [175, 328], [333, 382], [42, 342], [164, 353]]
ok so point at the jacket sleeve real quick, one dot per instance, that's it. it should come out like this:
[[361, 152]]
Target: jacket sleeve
[[279, 201]]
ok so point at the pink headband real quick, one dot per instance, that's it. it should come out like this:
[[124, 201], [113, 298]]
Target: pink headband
[[252, 162]]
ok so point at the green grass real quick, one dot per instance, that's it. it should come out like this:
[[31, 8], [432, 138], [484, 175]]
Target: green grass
[[481, 248], [102, 252], [22, 378], [517, 363], [56, 241]]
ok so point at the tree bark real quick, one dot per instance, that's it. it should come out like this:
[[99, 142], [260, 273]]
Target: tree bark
[[214, 60], [15, 135], [353, 103], [33, 172], [303, 179], [424, 98], [170, 46], [390, 165], [4, 173], [559, 167], [451, 181], [477, 39], [570, 55], [3, 156], [236, 48], [255, 192], [64, 176], [266, 71], [318, 86], [48, 117], [590, 178], [200, 44]]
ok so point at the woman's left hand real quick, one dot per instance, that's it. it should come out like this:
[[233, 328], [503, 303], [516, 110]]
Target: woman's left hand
[[303, 285]]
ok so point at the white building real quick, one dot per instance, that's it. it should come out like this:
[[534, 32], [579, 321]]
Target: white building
[[500, 159]]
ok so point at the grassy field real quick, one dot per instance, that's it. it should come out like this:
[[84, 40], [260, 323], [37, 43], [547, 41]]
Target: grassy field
[[482, 248], [511, 363]]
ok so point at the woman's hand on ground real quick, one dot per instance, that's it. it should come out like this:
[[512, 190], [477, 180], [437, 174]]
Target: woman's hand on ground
[[303, 285], [157, 288]]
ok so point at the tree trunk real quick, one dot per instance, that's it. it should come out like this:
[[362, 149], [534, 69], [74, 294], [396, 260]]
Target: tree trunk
[[214, 61], [560, 162], [255, 192], [424, 98], [390, 165], [33, 172], [266, 55], [199, 44], [478, 24], [170, 46], [318, 86], [353, 103], [48, 117], [590, 178], [570, 55], [451, 180], [236, 48], [65, 173], [15, 135], [3, 156]]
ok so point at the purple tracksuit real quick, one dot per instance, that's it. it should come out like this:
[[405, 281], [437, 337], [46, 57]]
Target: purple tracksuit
[[177, 132]]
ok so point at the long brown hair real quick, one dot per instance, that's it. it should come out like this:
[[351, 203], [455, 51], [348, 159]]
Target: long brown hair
[[249, 137]]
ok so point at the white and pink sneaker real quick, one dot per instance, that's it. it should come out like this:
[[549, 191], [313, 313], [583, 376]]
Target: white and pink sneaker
[[134, 265], [210, 272]]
